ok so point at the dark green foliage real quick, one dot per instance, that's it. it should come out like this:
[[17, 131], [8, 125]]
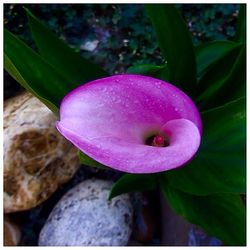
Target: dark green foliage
[[133, 183], [51, 74], [148, 70], [33, 72], [207, 54], [220, 164], [125, 33], [220, 215], [69, 63], [225, 80], [176, 47], [86, 160]]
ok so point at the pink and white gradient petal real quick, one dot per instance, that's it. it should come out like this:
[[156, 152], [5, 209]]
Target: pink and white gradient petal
[[109, 119]]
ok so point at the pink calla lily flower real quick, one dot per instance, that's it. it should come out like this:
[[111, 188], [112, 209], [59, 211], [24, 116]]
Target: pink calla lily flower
[[132, 123]]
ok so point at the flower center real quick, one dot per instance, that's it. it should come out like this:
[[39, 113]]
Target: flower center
[[157, 141]]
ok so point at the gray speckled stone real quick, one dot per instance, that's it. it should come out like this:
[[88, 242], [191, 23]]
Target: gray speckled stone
[[84, 217]]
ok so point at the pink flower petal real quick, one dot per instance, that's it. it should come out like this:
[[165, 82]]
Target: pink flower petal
[[138, 158], [110, 118]]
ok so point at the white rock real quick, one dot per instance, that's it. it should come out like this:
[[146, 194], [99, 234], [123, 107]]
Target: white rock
[[85, 217], [89, 45]]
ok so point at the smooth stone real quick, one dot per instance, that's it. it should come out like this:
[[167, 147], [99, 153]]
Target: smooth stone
[[12, 233], [90, 45], [37, 159], [85, 217]]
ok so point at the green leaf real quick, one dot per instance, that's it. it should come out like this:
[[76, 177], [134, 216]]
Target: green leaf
[[176, 45], [160, 72], [86, 160], [225, 81], [33, 72], [220, 215], [145, 69], [220, 164], [209, 53], [11, 69], [133, 183], [241, 25], [69, 63]]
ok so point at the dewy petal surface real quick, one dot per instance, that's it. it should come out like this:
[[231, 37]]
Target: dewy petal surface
[[109, 119]]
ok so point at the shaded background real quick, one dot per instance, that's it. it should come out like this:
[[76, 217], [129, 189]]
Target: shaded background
[[115, 37]]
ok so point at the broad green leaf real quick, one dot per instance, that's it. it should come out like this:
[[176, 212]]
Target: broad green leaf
[[219, 70], [69, 63], [86, 160], [11, 69], [241, 25], [220, 164], [208, 53], [220, 215], [133, 183], [176, 45], [145, 69], [33, 72], [160, 72], [234, 85], [225, 81]]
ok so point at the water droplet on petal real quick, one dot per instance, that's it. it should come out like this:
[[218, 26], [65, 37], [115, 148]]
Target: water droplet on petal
[[158, 85], [132, 82]]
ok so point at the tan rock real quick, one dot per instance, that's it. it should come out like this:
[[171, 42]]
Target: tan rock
[[12, 233], [37, 159]]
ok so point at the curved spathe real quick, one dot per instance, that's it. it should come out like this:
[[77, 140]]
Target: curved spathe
[[108, 119]]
